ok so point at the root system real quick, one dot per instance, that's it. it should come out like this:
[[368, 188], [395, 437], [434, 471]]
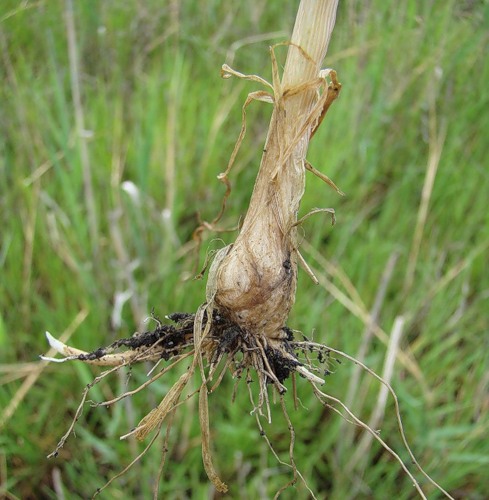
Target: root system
[[225, 347]]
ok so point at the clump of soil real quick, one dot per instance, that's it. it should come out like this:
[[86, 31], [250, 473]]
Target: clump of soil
[[225, 338]]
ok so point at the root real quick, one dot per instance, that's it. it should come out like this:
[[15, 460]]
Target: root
[[207, 338], [292, 464], [214, 342], [123, 471], [324, 352], [164, 453]]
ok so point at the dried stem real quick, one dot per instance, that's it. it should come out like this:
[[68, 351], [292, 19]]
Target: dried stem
[[362, 448], [256, 281], [81, 133], [437, 134]]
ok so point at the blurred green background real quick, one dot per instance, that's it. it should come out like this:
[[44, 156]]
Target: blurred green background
[[107, 158]]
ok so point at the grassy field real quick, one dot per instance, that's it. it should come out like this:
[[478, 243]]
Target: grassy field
[[107, 159]]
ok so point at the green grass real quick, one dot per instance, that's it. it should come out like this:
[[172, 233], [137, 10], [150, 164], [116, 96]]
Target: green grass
[[414, 79]]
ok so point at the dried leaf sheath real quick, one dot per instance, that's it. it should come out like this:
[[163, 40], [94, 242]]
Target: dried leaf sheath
[[256, 281]]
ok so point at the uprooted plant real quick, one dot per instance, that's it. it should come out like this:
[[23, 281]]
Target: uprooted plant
[[241, 327]]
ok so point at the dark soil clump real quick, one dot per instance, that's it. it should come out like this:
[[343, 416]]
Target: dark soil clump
[[167, 341]]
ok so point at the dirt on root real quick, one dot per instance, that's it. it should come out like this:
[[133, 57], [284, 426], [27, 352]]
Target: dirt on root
[[225, 338]]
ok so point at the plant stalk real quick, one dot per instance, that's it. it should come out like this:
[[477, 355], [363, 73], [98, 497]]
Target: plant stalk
[[256, 281]]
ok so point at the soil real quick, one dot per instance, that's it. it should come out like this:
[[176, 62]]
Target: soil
[[225, 338]]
